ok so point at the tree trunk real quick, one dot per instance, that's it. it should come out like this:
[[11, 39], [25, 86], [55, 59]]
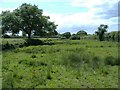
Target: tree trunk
[[29, 36]]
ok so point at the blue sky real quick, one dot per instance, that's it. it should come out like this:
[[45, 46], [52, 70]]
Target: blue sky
[[74, 15]]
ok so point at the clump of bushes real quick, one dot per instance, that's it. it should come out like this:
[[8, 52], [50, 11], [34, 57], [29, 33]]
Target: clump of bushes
[[6, 36], [74, 37], [61, 37], [29, 42], [76, 59], [110, 60], [7, 46], [35, 42]]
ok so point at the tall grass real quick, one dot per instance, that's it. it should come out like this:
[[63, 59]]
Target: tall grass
[[65, 64]]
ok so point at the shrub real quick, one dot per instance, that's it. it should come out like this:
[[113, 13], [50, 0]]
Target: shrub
[[62, 38], [116, 61], [8, 46], [29, 42], [72, 59], [109, 60], [21, 45], [74, 37], [6, 36], [76, 59]]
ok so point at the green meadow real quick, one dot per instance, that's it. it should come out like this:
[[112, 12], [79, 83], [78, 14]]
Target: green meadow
[[65, 64]]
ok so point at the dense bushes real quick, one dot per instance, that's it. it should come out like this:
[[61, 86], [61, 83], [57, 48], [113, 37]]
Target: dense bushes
[[110, 60], [6, 36], [33, 42], [7, 46], [26, 42], [113, 36], [75, 37], [82, 57]]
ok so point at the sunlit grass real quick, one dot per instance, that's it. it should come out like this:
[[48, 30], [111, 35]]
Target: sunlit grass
[[68, 63]]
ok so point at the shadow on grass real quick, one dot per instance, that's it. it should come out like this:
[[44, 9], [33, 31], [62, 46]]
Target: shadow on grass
[[28, 42]]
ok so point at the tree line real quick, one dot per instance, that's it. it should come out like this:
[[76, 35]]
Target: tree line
[[101, 34], [29, 20]]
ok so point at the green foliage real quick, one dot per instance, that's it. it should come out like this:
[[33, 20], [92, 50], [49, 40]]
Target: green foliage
[[81, 33], [113, 36], [33, 42], [6, 36], [74, 37], [66, 35], [10, 22], [7, 46], [67, 64], [29, 19], [33, 56], [101, 31], [110, 60], [96, 62], [110, 36]]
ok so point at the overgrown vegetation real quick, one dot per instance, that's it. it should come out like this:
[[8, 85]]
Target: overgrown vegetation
[[67, 63]]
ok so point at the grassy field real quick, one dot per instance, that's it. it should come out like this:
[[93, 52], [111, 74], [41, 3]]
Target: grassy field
[[66, 64]]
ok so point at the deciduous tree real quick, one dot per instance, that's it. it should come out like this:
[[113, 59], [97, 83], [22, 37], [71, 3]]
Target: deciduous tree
[[101, 31], [28, 19]]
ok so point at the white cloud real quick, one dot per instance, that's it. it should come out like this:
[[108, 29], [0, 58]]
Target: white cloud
[[99, 12], [77, 21], [86, 20], [98, 6], [91, 3], [85, 3]]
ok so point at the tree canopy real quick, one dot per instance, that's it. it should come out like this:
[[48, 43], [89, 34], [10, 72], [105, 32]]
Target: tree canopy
[[101, 31], [81, 33], [66, 35], [29, 19]]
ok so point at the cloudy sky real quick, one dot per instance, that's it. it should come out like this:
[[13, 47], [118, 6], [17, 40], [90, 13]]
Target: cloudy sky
[[74, 15]]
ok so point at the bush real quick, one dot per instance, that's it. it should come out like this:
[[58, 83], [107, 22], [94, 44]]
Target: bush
[[76, 59], [8, 46], [116, 61], [110, 60], [21, 45], [72, 59], [29, 42], [63, 38], [6, 36], [74, 37]]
